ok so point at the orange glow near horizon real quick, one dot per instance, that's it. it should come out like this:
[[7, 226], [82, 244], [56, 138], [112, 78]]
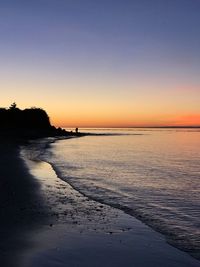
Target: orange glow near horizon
[[70, 109], [122, 105], [140, 121], [189, 120]]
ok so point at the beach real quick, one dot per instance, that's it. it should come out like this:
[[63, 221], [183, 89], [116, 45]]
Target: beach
[[45, 222], [20, 203]]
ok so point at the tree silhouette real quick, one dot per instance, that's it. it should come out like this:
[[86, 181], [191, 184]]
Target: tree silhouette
[[28, 123], [13, 106], [30, 118]]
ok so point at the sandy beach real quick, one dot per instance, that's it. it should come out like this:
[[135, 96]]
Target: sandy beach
[[21, 205], [45, 222]]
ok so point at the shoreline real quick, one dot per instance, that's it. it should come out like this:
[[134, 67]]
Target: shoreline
[[79, 215], [171, 238], [59, 226]]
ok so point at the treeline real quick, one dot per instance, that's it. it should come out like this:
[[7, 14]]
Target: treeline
[[30, 118]]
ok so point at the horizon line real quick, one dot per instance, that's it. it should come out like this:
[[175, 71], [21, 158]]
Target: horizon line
[[129, 127]]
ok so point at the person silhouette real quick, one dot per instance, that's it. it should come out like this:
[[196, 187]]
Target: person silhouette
[[76, 130]]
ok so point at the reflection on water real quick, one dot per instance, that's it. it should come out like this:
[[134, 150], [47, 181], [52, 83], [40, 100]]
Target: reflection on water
[[154, 176]]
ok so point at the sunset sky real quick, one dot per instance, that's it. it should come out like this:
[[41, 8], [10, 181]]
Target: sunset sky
[[104, 63]]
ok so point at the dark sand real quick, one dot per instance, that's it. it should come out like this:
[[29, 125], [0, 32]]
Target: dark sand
[[46, 223], [21, 205]]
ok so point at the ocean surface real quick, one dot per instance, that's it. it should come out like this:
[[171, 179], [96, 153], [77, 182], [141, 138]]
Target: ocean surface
[[152, 174]]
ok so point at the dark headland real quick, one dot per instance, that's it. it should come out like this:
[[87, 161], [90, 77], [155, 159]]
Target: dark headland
[[29, 123]]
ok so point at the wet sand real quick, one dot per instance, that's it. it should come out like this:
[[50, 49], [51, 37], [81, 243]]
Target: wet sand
[[21, 205], [45, 222]]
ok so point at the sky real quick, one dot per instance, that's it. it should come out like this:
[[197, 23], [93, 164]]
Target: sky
[[102, 63]]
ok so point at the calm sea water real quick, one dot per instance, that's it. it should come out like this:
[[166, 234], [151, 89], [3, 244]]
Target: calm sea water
[[151, 174]]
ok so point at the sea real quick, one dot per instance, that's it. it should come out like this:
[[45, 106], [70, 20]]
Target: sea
[[152, 174]]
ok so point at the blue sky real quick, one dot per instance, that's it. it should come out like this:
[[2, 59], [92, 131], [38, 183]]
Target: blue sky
[[95, 52]]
